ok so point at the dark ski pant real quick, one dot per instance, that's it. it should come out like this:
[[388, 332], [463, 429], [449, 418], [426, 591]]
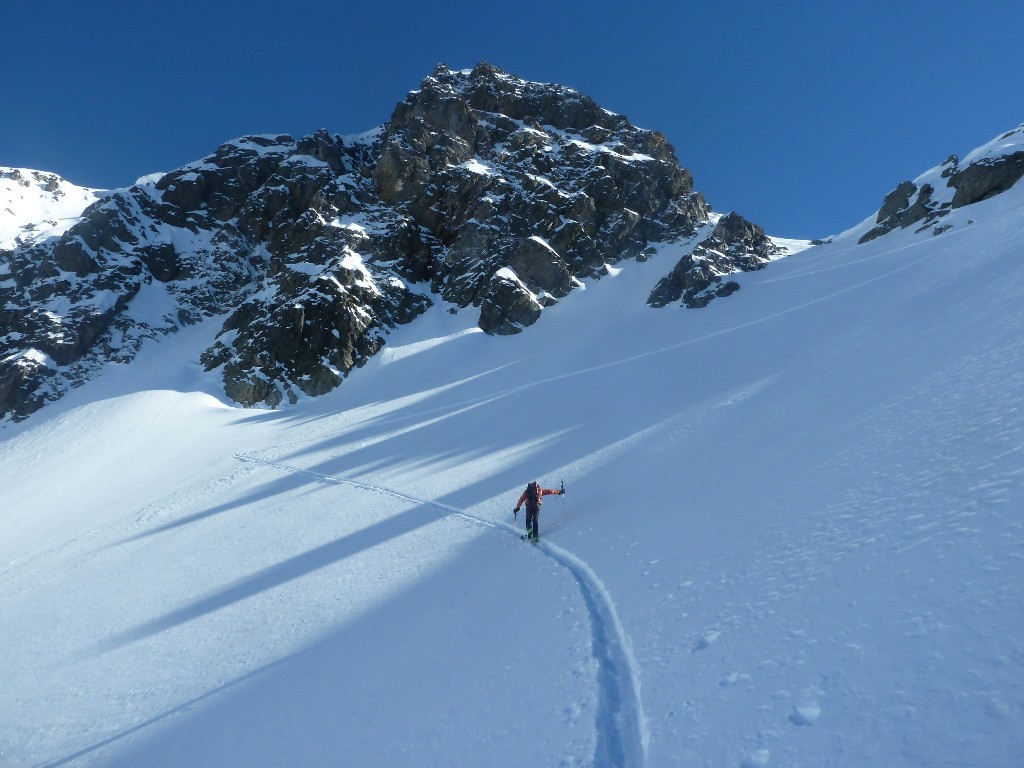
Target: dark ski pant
[[532, 515]]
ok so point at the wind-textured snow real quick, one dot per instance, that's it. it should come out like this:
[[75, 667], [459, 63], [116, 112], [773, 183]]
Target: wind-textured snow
[[792, 535]]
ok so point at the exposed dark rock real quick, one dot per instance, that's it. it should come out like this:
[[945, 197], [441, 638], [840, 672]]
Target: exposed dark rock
[[986, 178], [508, 306], [735, 245], [896, 201], [541, 268], [23, 382], [162, 261], [898, 212]]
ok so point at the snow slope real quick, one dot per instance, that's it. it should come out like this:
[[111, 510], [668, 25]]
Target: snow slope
[[792, 536], [36, 205]]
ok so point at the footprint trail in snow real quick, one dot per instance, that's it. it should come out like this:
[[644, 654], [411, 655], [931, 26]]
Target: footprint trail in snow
[[621, 727]]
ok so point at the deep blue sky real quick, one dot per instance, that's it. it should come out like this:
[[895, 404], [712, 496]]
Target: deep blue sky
[[799, 115]]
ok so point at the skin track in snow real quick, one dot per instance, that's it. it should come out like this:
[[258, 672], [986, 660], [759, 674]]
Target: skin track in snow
[[621, 727]]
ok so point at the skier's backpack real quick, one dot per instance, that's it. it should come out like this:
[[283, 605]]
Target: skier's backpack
[[533, 493]]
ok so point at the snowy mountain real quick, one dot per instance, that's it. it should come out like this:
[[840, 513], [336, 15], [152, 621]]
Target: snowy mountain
[[791, 533], [35, 206], [483, 192]]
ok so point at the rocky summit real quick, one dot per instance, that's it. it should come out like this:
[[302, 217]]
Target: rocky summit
[[483, 192]]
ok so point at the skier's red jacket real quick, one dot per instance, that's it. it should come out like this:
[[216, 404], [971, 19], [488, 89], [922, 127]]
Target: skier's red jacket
[[541, 493]]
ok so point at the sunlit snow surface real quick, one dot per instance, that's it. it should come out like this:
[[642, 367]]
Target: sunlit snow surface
[[792, 535], [35, 205]]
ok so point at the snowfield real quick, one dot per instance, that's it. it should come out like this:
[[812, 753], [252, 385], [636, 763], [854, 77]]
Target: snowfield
[[793, 535], [35, 205]]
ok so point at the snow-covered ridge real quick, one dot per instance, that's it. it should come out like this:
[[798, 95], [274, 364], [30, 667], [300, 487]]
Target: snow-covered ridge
[[924, 202], [36, 205]]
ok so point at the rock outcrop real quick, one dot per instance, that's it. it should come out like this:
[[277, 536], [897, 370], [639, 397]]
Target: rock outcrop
[[536, 178], [986, 172], [735, 245]]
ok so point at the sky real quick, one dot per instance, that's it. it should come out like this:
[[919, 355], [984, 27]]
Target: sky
[[800, 116]]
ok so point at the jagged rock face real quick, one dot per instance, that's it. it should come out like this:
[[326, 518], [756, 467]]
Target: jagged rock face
[[483, 191], [538, 178], [265, 229], [735, 245], [990, 170], [986, 178], [508, 306], [898, 212]]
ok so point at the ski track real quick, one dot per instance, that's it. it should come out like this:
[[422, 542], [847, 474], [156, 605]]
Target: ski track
[[621, 726]]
